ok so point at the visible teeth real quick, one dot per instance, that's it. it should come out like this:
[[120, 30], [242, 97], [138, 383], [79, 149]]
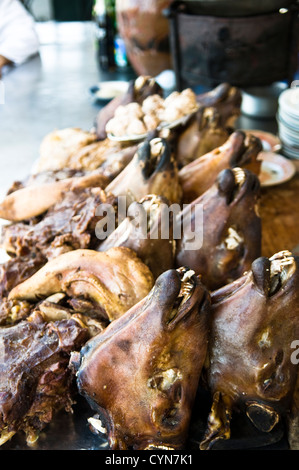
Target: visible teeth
[[233, 239], [186, 274], [156, 146], [97, 424], [186, 286], [282, 263], [185, 290], [239, 175], [282, 255], [140, 82]]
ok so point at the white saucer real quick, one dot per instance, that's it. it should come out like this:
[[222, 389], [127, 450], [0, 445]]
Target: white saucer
[[275, 169]]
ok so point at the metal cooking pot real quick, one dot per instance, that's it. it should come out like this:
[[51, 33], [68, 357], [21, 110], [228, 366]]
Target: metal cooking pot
[[235, 7], [262, 102]]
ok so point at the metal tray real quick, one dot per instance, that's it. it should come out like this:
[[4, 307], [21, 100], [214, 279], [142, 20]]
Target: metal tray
[[71, 431]]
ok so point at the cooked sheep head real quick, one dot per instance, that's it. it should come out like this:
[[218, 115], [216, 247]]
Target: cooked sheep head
[[35, 380], [240, 150], [116, 280], [203, 134], [226, 99], [152, 170], [230, 232], [143, 231], [141, 374], [253, 325]]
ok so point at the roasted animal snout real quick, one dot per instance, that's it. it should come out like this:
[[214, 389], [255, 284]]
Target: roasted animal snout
[[141, 374], [254, 323], [146, 237], [221, 230], [153, 170]]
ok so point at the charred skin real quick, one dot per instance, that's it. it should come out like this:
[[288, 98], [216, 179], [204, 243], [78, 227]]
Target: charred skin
[[152, 170], [116, 280], [156, 251], [141, 374], [230, 232], [35, 379], [254, 322], [138, 90], [240, 150]]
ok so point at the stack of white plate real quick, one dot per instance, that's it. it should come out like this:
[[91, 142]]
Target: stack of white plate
[[288, 122]]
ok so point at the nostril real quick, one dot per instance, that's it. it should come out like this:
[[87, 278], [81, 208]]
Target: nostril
[[279, 357], [261, 274], [226, 184], [262, 416]]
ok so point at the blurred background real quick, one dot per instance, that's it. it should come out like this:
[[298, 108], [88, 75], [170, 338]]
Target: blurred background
[[199, 44]]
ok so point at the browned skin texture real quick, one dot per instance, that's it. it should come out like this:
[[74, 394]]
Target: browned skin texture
[[254, 322], [71, 149], [141, 374], [154, 249], [35, 380], [138, 90], [16, 270], [230, 232], [153, 170], [239, 150], [226, 99], [68, 225], [203, 134], [116, 279], [33, 200]]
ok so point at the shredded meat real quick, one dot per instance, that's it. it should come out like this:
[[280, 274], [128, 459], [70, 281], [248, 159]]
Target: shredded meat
[[35, 380], [66, 226]]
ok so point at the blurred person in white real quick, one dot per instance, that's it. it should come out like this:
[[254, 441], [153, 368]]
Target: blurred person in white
[[18, 37]]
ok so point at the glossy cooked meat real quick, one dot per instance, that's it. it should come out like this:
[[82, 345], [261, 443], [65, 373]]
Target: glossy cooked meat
[[254, 322], [116, 279], [35, 380], [16, 270], [201, 135], [34, 200], [226, 99], [141, 374], [240, 150], [68, 225], [153, 170], [226, 229], [148, 230]]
